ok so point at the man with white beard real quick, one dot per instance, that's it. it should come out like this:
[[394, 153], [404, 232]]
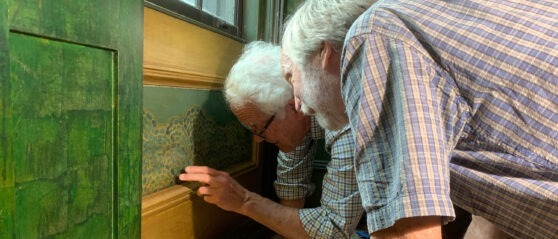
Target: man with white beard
[[263, 102], [433, 91]]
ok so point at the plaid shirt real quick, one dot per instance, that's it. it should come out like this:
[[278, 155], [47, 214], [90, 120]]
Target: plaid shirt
[[460, 90], [294, 169], [340, 209]]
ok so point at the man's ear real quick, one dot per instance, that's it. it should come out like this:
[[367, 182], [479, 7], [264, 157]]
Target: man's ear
[[326, 54]]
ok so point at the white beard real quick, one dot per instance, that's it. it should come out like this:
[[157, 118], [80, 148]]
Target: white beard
[[320, 96]]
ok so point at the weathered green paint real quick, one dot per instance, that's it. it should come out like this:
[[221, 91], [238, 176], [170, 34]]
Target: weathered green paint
[[70, 123], [61, 136], [88, 22], [7, 202], [129, 118]]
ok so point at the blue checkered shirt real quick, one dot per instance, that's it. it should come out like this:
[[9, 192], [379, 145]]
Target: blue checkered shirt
[[458, 95], [340, 209]]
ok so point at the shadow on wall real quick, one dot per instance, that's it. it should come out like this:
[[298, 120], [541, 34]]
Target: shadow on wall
[[184, 127]]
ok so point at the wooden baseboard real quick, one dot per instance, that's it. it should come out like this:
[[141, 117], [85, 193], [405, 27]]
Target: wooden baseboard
[[164, 214], [177, 212]]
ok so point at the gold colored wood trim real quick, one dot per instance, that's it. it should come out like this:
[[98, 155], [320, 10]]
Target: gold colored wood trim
[[174, 195], [176, 212], [180, 54], [163, 200], [176, 78]]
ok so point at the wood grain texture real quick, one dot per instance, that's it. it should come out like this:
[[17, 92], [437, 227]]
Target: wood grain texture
[[177, 212], [177, 53]]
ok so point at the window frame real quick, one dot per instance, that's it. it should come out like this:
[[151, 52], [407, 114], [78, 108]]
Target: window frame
[[200, 18]]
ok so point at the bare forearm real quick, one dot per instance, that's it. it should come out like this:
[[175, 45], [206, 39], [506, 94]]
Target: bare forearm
[[221, 189], [413, 228], [281, 219], [296, 203]]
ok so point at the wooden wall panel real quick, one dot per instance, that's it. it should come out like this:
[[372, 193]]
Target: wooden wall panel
[[177, 53], [179, 56], [178, 213]]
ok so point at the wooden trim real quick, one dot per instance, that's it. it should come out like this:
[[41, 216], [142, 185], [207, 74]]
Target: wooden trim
[[167, 198], [175, 212], [180, 54], [163, 200], [174, 77], [246, 166]]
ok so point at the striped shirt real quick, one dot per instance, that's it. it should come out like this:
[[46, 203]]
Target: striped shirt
[[465, 90], [340, 209]]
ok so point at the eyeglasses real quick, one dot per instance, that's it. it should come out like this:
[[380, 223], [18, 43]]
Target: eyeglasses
[[262, 131]]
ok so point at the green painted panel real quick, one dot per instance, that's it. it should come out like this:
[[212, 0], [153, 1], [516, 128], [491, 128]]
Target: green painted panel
[[57, 133], [7, 203], [188, 127], [128, 30], [61, 135], [77, 21]]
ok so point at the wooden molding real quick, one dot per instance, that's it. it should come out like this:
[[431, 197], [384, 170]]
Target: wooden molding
[[176, 212], [176, 78], [178, 53], [165, 199]]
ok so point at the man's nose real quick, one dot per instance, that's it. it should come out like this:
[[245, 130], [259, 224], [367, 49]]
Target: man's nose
[[298, 104]]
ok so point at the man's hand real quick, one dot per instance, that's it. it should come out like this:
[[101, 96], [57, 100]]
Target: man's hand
[[218, 187]]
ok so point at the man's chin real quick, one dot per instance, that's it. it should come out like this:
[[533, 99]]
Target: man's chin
[[332, 123], [306, 110], [327, 120]]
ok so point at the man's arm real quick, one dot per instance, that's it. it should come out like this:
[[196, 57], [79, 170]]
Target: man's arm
[[392, 95], [222, 190], [413, 228], [296, 203], [341, 208], [294, 169]]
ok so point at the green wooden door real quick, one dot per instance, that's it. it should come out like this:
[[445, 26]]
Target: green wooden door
[[70, 118]]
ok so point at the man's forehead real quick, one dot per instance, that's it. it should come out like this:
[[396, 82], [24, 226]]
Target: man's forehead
[[249, 114]]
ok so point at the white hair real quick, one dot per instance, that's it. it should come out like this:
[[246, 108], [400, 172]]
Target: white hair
[[257, 78], [318, 21]]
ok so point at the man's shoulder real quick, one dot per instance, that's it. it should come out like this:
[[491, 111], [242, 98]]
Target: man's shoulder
[[378, 16]]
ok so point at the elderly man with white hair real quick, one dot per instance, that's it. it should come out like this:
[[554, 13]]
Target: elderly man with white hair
[[263, 102], [448, 101]]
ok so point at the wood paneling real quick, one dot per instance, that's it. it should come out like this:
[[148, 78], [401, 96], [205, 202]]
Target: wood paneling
[[177, 53], [177, 212]]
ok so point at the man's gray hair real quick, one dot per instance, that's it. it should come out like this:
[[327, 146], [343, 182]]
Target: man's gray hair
[[257, 78], [319, 21]]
